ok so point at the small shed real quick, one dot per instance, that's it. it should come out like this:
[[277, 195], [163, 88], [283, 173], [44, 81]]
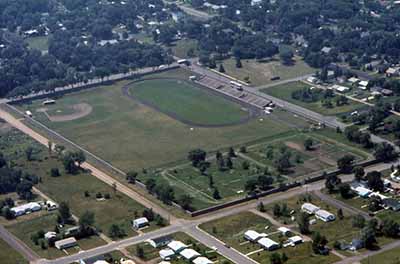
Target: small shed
[[65, 243], [140, 223], [268, 244]]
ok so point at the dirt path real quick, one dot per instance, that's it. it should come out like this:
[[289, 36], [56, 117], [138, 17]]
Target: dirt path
[[94, 171], [80, 110]]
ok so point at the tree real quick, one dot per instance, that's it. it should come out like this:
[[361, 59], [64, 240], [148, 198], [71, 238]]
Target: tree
[[139, 251], [358, 173], [331, 182], [231, 153], [340, 214], [277, 210], [131, 176], [368, 237], [196, 156], [50, 146], [29, 153], [303, 223], [308, 144], [69, 163], [390, 228], [374, 204], [261, 207], [384, 152], [54, 172], [86, 221], [64, 212], [265, 182], [282, 160], [286, 56], [374, 181], [345, 191], [319, 242], [150, 185], [239, 65], [216, 194], [250, 185], [345, 163], [116, 231], [229, 163], [275, 258], [221, 68], [185, 201], [245, 165], [79, 157]]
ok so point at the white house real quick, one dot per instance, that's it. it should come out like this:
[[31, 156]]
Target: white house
[[361, 191], [312, 79], [284, 230], [325, 216], [309, 208], [160, 241], [251, 235], [166, 254], [202, 260], [295, 240], [26, 208], [189, 254], [65, 243], [140, 223], [177, 246], [268, 244], [353, 80], [339, 88]]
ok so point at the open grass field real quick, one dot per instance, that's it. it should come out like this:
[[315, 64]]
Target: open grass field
[[300, 254], [119, 209], [151, 254], [39, 43], [388, 257], [9, 255], [284, 92], [26, 229], [260, 73], [184, 101], [131, 135], [183, 47]]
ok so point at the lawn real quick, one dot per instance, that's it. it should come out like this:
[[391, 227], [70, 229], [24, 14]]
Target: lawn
[[26, 229], [388, 257], [182, 48], [183, 100], [260, 73], [151, 254], [131, 135], [39, 43], [9, 255], [284, 92], [300, 254], [231, 229], [119, 209]]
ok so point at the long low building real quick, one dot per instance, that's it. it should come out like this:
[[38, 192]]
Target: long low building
[[268, 243], [26, 208], [66, 243], [325, 216], [309, 208]]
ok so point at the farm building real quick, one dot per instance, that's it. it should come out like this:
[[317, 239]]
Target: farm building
[[160, 241], [202, 260], [65, 243], [251, 235], [166, 254], [325, 216], [268, 244], [189, 254], [26, 208], [309, 208], [140, 223], [177, 246]]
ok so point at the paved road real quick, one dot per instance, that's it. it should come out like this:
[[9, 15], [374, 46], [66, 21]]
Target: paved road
[[18, 245]]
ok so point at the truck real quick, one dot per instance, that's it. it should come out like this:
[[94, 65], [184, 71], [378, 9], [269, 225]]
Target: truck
[[237, 85]]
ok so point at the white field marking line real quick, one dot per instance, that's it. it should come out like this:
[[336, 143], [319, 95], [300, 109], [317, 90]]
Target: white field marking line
[[223, 243]]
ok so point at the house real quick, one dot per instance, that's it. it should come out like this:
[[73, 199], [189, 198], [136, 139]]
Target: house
[[65, 243], [177, 246], [295, 240], [284, 230], [377, 194], [353, 80], [393, 71], [325, 216], [101, 262], [309, 208], [312, 79], [50, 235], [202, 260], [268, 244], [391, 204], [26, 208], [252, 236], [189, 254], [140, 223], [326, 50], [72, 231], [339, 88], [361, 191], [160, 241], [166, 254], [386, 92], [363, 85]]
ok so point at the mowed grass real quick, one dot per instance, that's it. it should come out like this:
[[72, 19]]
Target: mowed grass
[[185, 101], [285, 91], [387, 257], [181, 48], [119, 209], [260, 73], [133, 136], [9, 255]]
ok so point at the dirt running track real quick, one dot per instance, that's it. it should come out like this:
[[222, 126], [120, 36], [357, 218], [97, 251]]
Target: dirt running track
[[94, 171]]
